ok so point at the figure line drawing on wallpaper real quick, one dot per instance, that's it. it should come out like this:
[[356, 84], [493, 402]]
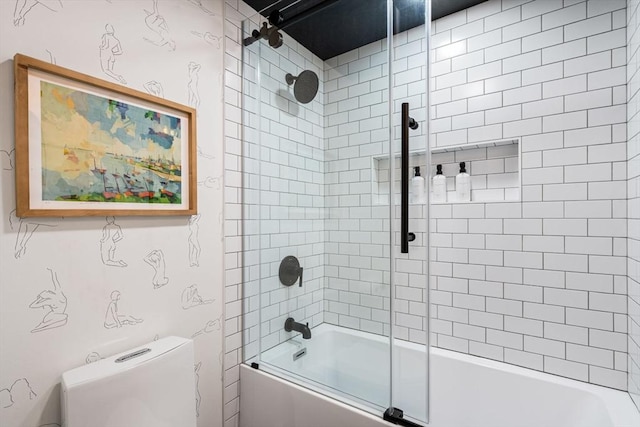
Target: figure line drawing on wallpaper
[[209, 38], [19, 391], [192, 86], [210, 182], [194, 242], [52, 58], [155, 259], [154, 87], [26, 228], [156, 23], [56, 301], [113, 319], [23, 7], [199, 4], [196, 369], [210, 326], [110, 48], [8, 159], [205, 155], [191, 298], [111, 235]]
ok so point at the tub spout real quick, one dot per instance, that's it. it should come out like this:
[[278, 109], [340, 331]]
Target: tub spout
[[292, 325]]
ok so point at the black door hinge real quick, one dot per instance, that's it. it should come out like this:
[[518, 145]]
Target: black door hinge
[[396, 416]]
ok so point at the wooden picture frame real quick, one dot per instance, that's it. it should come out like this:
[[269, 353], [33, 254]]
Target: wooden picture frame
[[89, 147]]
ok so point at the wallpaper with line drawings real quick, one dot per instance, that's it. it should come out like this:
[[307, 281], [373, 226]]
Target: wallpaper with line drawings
[[76, 290]]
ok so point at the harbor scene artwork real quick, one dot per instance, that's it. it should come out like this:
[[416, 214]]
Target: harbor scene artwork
[[96, 149]]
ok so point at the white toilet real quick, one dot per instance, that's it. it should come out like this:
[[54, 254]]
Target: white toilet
[[150, 386]]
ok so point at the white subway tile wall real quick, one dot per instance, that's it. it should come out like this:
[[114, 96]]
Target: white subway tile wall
[[541, 283], [633, 211], [357, 186], [356, 260], [537, 73]]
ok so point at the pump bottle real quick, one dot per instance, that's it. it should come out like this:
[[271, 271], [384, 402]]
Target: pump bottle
[[417, 187], [439, 185], [463, 184]]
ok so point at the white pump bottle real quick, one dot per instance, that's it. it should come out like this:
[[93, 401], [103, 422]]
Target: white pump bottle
[[463, 184], [417, 187], [439, 185]]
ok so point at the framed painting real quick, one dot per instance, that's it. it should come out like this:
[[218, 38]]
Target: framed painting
[[88, 147]]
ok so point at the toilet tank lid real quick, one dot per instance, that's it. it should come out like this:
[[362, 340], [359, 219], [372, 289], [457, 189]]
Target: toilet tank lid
[[124, 361]]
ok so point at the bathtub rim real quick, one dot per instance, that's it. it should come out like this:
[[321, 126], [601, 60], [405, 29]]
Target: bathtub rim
[[619, 405]]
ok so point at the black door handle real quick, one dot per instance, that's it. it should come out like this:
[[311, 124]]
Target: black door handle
[[405, 236]]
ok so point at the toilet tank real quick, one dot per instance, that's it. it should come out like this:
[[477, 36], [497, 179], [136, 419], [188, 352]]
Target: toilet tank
[[152, 385]]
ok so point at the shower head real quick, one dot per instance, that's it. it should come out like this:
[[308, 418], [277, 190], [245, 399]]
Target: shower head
[[305, 85]]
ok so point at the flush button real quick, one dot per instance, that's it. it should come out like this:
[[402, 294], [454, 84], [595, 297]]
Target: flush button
[[133, 355]]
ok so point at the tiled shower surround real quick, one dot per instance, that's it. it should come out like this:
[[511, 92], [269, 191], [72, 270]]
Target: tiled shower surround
[[543, 282], [357, 227], [540, 283]]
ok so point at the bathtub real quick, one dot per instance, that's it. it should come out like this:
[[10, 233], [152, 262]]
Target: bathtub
[[340, 378]]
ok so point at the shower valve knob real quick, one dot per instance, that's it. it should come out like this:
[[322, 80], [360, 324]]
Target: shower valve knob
[[290, 271]]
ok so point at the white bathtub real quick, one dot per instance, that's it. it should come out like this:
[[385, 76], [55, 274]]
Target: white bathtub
[[353, 367]]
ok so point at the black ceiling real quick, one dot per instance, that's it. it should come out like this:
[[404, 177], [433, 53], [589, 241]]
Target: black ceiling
[[345, 25]]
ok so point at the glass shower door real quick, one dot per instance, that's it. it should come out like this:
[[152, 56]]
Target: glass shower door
[[410, 266], [322, 203]]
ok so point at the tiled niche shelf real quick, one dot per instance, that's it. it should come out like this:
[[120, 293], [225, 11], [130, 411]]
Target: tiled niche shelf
[[494, 168]]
